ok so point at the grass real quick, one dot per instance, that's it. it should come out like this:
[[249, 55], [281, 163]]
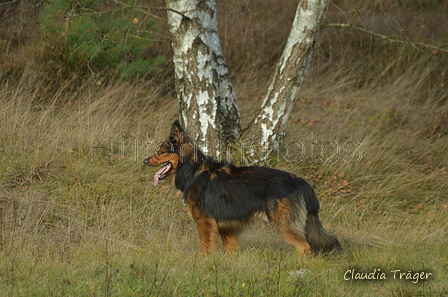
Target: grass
[[76, 221], [79, 216]]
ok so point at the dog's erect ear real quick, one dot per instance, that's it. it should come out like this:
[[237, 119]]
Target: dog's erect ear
[[177, 133]]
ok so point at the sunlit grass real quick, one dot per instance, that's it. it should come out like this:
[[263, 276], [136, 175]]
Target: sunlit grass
[[79, 220]]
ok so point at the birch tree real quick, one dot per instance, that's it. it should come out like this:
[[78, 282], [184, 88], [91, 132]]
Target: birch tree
[[290, 74], [206, 99], [207, 103]]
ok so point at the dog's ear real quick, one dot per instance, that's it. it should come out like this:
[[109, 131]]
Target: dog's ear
[[177, 133]]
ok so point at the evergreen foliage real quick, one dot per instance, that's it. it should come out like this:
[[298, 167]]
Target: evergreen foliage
[[96, 36]]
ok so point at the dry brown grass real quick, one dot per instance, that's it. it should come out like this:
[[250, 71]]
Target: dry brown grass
[[77, 221]]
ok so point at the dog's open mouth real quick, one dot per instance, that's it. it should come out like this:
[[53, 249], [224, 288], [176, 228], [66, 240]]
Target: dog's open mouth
[[161, 174]]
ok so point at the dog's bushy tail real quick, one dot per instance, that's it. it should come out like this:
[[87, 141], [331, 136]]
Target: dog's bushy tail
[[320, 240]]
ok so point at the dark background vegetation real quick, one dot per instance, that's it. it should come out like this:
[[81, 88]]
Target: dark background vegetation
[[39, 35]]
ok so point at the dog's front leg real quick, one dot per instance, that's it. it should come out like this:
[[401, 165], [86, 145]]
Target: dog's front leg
[[229, 240], [208, 234]]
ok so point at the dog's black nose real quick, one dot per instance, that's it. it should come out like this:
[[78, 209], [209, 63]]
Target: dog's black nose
[[145, 161]]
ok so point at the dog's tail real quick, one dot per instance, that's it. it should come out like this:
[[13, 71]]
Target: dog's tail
[[320, 240]]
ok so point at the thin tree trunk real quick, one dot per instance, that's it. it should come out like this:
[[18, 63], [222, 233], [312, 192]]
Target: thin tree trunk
[[289, 76], [207, 104]]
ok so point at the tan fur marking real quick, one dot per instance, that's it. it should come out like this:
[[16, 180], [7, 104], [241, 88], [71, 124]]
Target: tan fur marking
[[208, 234], [207, 228], [202, 169], [292, 231], [158, 159], [163, 157], [226, 169], [302, 247], [230, 241]]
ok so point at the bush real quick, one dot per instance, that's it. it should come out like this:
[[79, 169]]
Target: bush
[[99, 37]]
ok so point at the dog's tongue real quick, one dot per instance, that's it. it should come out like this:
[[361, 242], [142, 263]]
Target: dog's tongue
[[156, 176]]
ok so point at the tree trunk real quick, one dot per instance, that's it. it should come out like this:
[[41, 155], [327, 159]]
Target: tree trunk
[[289, 76], [207, 104]]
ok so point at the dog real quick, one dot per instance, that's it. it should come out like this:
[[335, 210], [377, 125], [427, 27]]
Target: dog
[[223, 199]]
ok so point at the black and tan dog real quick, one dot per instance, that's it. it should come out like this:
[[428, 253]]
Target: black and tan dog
[[223, 198]]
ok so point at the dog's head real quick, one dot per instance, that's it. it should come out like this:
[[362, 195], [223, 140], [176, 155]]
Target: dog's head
[[169, 153]]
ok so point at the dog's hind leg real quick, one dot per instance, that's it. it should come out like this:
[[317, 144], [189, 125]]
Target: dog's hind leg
[[290, 222], [208, 234], [229, 240], [301, 245]]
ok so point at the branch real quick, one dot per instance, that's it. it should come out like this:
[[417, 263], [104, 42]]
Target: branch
[[140, 9], [124, 6], [9, 3], [148, 10], [387, 38]]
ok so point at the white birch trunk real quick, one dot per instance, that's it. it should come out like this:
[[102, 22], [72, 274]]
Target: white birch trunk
[[207, 103], [289, 76]]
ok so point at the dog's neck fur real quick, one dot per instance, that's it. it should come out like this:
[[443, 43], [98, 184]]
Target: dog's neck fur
[[189, 167]]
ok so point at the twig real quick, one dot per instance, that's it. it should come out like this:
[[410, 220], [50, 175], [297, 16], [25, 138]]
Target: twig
[[148, 9], [142, 9], [387, 37], [9, 3]]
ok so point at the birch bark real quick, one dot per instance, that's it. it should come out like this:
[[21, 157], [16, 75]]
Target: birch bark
[[207, 103], [289, 76]]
